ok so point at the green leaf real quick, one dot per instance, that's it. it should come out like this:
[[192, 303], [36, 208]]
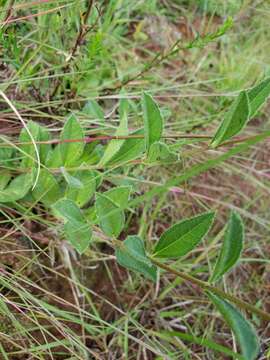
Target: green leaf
[[79, 234], [81, 196], [5, 176], [234, 121], [231, 248], [131, 254], [201, 341], [28, 150], [76, 228], [39, 133], [119, 195], [242, 329], [153, 121], [258, 95], [44, 149], [160, 152], [6, 152], [68, 210], [131, 149], [72, 181], [91, 153], [114, 145], [181, 238], [111, 218], [124, 109], [91, 215], [98, 178], [71, 151], [54, 158], [17, 188], [93, 109], [47, 189]]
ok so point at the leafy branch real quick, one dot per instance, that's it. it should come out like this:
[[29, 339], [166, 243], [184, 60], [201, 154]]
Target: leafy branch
[[159, 58], [206, 287], [73, 195]]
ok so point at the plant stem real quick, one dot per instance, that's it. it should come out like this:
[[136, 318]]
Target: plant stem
[[108, 138], [78, 41], [89, 139], [126, 137], [83, 28], [160, 57], [17, 19], [9, 12], [206, 287]]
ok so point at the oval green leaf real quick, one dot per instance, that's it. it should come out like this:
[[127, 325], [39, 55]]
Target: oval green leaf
[[181, 238], [131, 254], [114, 145], [79, 234], [231, 247], [111, 218], [6, 151], [76, 229], [119, 195], [39, 133], [93, 109], [47, 189], [68, 210], [17, 188], [242, 329], [153, 121], [72, 181], [234, 121], [71, 151], [131, 149], [159, 151], [5, 177], [81, 196], [54, 158], [258, 95]]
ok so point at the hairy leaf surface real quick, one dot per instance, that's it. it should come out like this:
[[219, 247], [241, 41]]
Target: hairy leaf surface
[[243, 330]]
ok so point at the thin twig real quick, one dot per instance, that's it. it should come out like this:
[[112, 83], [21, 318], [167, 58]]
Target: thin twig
[[9, 12], [83, 28], [12, 20], [161, 57], [107, 138], [89, 139], [79, 39]]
